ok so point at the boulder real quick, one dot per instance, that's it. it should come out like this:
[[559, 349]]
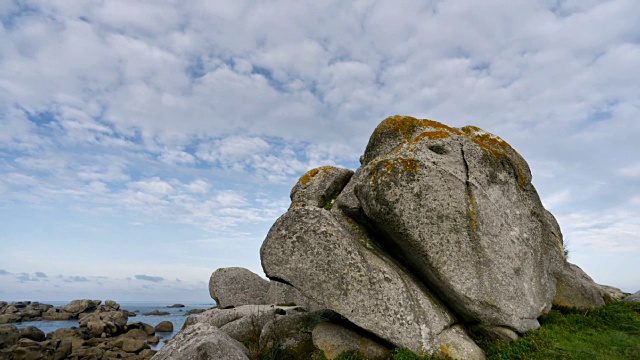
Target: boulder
[[136, 334], [333, 340], [576, 289], [148, 329], [75, 307], [457, 207], [292, 333], [10, 318], [31, 333], [164, 326], [176, 306], [236, 286], [130, 345], [50, 349], [611, 293], [9, 335], [635, 297], [331, 260], [109, 323], [286, 295], [202, 341], [195, 311], [157, 313], [319, 187]]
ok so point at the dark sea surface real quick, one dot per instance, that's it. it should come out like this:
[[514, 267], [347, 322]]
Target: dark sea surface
[[177, 316]]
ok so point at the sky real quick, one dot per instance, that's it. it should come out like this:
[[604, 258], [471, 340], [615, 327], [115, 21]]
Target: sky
[[144, 144]]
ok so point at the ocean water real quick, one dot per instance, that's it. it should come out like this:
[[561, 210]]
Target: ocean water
[[177, 316]]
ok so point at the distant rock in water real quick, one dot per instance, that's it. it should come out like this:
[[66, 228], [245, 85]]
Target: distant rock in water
[[157, 313], [176, 306], [438, 234], [34, 311]]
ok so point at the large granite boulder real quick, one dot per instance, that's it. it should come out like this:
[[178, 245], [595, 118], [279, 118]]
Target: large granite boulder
[[236, 286], [458, 208], [105, 324], [576, 289], [202, 341], [331, 260]]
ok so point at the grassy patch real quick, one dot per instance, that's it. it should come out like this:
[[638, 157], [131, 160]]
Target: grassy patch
[[612, 332]]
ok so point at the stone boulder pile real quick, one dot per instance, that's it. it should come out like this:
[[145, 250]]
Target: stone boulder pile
[[438, 235]]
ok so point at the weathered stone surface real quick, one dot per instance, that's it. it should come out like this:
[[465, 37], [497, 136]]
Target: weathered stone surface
[[635, 297], [243, 323], [292, 333], [31, 333], [164, 326], [458, 207], [148, 329], [333, 340], [331, 260], [130, 345], [8, 335], [202, 341], [76, 307], [135, 334], [109, 323], [9, 318], [283, 294], [611, 294], [236, 286], [576, 289], [320, 186], [50, 349]]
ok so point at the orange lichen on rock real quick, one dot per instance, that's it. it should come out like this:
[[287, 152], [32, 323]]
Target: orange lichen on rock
[[407, 126], [431, 135], [312, 173]]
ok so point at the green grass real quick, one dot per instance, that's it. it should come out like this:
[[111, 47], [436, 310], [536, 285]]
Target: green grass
[[612, 332]]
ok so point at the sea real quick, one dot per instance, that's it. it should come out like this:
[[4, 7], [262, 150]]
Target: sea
[[176, 315]]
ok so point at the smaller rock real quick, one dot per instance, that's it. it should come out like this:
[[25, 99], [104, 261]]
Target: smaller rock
[[236, 286], [10, 318], [157, 313], [153, 340], [176, 306], [148, 329], [32, 333], [612, 293], [50, 349], [135, 334], [333, 340], [575, 288], [195, 311], [130, 345], [147, 354], [202, 342], [319, 187], [164, 326], [634, 298]]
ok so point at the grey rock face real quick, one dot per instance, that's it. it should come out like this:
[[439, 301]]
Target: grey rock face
[[458, 207], [202, 341], [293, 332], [576, 289], [611, 293], [333, 340], [635, 297], [236, 286], [283, 294], [331, 260], [319, 186]]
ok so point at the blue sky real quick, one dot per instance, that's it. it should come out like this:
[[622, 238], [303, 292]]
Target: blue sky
[[145, 144]]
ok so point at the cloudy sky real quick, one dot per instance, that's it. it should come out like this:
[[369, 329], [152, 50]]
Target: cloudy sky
[[143, 144]]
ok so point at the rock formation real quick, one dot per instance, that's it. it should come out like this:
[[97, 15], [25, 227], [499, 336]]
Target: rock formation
[[237, 286], [439, 233]]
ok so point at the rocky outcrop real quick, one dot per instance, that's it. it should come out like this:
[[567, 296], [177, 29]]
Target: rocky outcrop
[[33, 311], [105, 324], [634, 298], [576, 289], [236, 286], [440, 232], [202, 341], [445, 219]]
